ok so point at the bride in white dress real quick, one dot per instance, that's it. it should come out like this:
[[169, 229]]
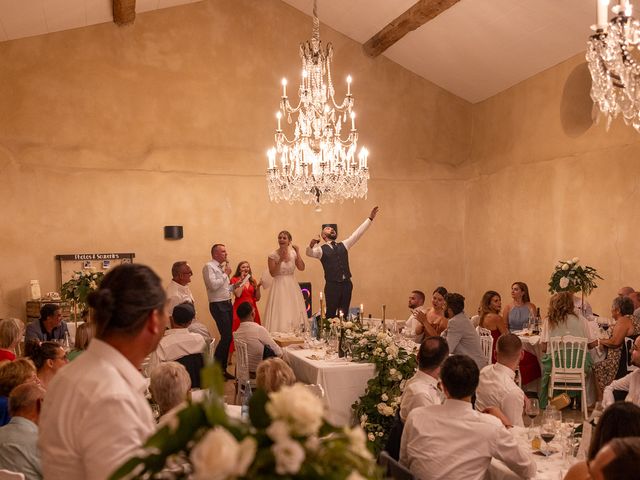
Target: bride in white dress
[[285, 308]]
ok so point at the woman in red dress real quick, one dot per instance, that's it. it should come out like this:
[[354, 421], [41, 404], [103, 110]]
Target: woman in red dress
[[245, 290], [490, 318]]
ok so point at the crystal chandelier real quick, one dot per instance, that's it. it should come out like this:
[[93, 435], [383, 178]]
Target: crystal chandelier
[[316, 165], [611, 55]]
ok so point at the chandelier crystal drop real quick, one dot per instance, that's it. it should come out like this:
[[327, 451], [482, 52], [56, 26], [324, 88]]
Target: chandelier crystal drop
[[613, 58], [316, 165]]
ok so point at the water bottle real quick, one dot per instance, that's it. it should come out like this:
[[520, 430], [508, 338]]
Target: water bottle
[[245, 399]]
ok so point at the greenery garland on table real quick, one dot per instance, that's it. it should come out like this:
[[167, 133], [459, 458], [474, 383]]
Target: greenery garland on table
[[570, 276], [376, 409], [285, 436]]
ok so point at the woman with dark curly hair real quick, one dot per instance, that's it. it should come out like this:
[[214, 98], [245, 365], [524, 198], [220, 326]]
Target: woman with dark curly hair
[[48, 357]]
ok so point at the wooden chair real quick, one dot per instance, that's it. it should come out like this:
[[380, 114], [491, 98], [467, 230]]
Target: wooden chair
[[393, 469], [568, 355]]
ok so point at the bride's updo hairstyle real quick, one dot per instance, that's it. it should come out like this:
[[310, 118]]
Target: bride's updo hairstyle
[[126, 296]]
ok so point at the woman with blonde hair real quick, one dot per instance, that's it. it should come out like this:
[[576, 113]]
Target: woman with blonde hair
[[169, 385], [561, 321], [12, 374], [10, 335], [273, 374], [84, 334]]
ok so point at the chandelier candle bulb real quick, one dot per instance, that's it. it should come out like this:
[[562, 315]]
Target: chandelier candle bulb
[[353, 121], [279, 116], [349, 85], [284, 88], [602, 15]]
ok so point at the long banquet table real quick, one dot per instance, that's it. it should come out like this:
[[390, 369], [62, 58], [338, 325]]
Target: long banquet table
[[343, 382]]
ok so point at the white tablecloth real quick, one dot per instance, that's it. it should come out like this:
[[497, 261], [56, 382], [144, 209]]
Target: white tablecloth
[[343, 382], [553, 467]]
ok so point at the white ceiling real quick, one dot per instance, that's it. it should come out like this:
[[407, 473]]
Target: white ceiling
[[475, 49], [26, 18]]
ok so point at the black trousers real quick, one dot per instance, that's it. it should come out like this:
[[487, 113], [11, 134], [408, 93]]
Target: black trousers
[[222, 313], [338, 295]]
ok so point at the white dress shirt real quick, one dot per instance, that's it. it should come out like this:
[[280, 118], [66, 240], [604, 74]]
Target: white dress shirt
[[94, 417], [216, 281], [497, 388], [316, 251], [453, 441], [176, 343], [256, 337], [177, 294], [421, 390], [629, 383]]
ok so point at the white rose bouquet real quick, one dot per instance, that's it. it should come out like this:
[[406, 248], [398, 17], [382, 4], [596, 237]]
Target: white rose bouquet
[[78, 288], [285, 436], [570, 276]]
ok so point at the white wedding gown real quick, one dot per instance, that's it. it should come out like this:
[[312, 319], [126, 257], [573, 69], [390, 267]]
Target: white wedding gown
[[285, 308]]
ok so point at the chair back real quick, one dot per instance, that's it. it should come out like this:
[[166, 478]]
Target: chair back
[[628, 350], [242, 359], [393, 469], [193, 363], [568, 354], [9, 475], [486, 340]]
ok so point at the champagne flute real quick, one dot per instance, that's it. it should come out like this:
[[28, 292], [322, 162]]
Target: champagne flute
[[532, 410]]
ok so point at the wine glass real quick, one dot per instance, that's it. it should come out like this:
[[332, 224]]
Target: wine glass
[[548, 432], [532, 410], [346, 349]]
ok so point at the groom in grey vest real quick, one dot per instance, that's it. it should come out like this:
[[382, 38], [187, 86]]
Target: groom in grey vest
[[334, 257]]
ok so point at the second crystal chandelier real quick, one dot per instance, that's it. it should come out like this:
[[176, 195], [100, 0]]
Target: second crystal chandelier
[[317, 165]]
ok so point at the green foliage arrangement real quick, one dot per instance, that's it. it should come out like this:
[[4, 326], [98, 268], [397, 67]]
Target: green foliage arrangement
[[80, 286], [570, 276]]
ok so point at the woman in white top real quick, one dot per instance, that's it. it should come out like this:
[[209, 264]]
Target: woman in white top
[[285, 308]]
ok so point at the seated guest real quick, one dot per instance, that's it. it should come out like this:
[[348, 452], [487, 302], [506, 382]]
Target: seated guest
[[625, 291], [490, 318], [617, 421], [49, 326], [561, 321], [19, 438], [630, 383], [413, 328], [256, 337], [9, 339], [13, 374], [635, 298], [626, 325], [169, 385], [460, 334], [617, 460], [84, 334], [273, 374], [453, 440], [96, 414], [497, 387], [48, 357], [178, 341], [421, 390], [179, 292]]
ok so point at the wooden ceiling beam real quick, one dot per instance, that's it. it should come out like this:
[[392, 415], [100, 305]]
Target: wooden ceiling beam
[[414, 17], [124, 11]]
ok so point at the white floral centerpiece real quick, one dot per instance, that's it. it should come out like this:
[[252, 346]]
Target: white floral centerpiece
[[570, 276], [286, 437], [394, 366], [79, 286]]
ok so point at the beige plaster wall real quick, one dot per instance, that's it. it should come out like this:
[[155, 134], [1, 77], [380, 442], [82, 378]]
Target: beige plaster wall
[[107, 134], [544, 184]]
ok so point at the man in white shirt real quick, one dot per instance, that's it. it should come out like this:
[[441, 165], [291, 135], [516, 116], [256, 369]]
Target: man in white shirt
[[334, 257], [629, 383], [216, 279], [460, 334], [422, 389], [95, 415], [255, 336], [178, 341], [416, 303], [19, 438], [453, 440], [179, 292], [497, 387]]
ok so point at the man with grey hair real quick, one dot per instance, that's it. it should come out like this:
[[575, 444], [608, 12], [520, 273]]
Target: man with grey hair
[[169, 385], [18, 439]]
